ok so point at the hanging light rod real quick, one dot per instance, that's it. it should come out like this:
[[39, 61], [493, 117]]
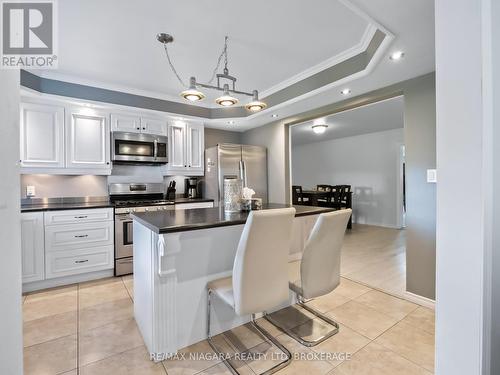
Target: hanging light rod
[[225, 82]]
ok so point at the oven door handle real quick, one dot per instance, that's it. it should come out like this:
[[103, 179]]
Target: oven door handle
[[155, 152]]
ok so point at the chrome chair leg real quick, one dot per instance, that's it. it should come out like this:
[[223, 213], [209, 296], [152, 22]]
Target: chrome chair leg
[[300, 339], [259, 328]]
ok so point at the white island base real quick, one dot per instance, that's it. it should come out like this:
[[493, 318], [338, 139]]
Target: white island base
[[171, 272]]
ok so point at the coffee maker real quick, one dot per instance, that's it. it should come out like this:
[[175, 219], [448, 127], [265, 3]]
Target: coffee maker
[[191, 188]]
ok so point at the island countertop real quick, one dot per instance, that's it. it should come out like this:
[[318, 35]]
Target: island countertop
[[171, 221]]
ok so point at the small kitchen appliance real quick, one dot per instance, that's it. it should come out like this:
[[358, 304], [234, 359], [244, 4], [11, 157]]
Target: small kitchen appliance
[[191, 188]]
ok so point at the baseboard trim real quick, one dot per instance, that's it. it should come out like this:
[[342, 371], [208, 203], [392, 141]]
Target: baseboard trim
[[423, 301], [67, 280]]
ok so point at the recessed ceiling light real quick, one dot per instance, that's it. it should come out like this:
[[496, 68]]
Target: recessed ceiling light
[[320, 128], [274, 115], [230, 122], [396, 56], [345, 91]]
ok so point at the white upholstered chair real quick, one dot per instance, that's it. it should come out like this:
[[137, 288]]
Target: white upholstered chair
[[318, 272], [260, 274]]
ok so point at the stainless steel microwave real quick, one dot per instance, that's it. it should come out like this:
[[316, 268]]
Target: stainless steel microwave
[[139, 148]]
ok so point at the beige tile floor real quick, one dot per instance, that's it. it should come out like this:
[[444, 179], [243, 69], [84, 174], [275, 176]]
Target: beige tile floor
[[375, 256], [89, 329]]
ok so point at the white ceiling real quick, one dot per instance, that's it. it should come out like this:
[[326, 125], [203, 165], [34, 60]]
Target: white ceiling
[[111, 44], [380, 116]]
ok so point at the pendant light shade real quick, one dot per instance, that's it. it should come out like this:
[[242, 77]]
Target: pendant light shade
[[255, 105], [226, 100], [192, 94]]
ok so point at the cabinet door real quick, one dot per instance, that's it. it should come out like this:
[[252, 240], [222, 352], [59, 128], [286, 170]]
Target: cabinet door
[[42, 136], [88, 139], [32, 246], [125, 123], [153, 126], [177, 146], [195, 148]]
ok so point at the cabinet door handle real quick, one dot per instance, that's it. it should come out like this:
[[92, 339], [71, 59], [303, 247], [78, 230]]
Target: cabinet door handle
[[81, 236], [81, 217], [81, 261]]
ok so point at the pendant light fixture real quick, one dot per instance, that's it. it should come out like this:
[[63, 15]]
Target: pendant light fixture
[[227, 86], [226, 100], [256, 105]]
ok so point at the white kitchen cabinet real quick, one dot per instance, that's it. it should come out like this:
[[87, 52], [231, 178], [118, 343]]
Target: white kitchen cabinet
[[153, 126], [42, 136], [177, 147], [32, 246], [87, 139], [125, 123], [186, 148], [195, 148]]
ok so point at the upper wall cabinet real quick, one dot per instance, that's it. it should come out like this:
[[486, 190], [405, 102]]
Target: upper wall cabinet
[[64, 140], [138, 124], [42, 136], [88, 139], [125, 123], [186, 149]]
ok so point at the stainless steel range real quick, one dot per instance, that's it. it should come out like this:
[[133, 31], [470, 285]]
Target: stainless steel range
[[129, 198]]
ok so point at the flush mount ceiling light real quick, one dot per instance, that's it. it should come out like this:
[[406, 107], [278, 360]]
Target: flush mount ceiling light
[[396, 56], [345, 91], [227, 86], [274, 115], [320, 128]]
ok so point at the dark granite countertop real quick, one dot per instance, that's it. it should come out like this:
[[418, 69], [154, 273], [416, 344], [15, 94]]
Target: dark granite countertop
[[203, 218], [64, 206]]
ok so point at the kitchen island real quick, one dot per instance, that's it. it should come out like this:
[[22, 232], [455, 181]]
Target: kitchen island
[[176, 253]]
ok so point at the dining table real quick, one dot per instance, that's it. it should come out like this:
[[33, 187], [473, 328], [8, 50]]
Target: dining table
[[314, 198]]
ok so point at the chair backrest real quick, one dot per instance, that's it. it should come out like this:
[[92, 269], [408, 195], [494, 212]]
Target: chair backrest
[[260, 271], [297, 194], [324, 187], [320, 265]]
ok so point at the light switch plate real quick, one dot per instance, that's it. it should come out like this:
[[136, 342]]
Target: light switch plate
[[431, 176], [30, 191]]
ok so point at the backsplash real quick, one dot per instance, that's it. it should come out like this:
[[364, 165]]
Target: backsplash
[[55, 186]]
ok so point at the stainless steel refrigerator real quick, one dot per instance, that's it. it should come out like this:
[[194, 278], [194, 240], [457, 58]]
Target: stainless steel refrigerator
[[235, 161]]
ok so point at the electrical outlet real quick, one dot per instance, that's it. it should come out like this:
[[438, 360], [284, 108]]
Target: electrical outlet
[[30, 191]]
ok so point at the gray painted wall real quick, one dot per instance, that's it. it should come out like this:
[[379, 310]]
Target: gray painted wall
[[421, 122], [420, 141], [215, 136], [11, 347], [371, 168]]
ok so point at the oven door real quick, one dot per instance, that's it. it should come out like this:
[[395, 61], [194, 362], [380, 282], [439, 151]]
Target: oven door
[[132, 147], [124, 237]]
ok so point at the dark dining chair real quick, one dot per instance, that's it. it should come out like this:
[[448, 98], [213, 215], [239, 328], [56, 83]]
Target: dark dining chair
[[344, 200], [297, 196], [328, 199]]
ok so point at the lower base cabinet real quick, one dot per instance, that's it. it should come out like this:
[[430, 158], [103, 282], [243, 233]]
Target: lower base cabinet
[[58, 244], [32, 247], [72, 262]]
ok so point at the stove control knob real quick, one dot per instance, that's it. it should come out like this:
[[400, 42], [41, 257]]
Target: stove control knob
[[146, 209], [127, 210]]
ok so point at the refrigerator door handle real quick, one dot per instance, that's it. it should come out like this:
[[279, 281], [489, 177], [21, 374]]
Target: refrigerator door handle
[[243, 173]]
